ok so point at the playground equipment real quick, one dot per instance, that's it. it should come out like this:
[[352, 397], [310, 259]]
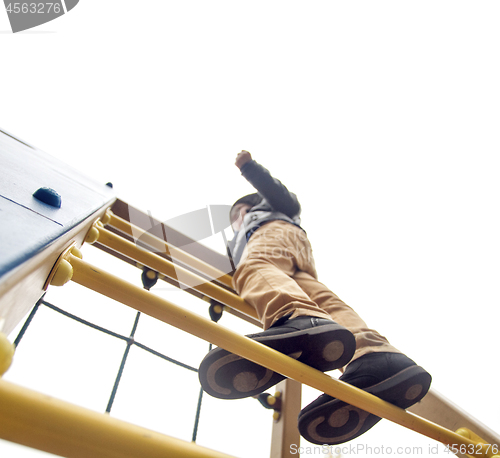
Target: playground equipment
[[55, 211]]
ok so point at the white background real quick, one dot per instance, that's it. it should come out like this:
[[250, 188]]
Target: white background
[[381, 116]]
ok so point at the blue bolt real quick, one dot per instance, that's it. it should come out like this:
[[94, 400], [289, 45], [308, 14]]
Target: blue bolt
[[48, 196]]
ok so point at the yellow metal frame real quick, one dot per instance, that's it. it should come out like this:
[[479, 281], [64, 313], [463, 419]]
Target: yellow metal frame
[[175, 272], [163, 246], [58, 427], [42, 422], [115, 288], [285, 432]]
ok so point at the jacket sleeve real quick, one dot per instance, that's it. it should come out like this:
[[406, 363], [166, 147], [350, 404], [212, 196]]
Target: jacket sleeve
[[275, 193]]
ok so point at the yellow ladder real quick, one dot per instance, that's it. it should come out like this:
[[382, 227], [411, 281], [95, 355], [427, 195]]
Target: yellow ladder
[[48, 424]]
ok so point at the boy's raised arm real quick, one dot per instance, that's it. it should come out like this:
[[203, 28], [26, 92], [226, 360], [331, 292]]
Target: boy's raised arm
[[275, 192]]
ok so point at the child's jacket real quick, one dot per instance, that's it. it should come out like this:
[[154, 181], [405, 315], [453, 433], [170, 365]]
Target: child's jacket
[[275, 202]]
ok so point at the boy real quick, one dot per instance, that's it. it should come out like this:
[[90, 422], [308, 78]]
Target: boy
[[302, 318]]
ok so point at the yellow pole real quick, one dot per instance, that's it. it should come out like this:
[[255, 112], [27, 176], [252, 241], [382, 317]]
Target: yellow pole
[[113, 287], [54, 426], [6, 353], [163, 246], [167, 268]]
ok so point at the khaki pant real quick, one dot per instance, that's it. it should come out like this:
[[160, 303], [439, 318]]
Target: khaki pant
[[277, 276]]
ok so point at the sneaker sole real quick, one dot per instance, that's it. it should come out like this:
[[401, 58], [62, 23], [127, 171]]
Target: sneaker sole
[[228, 376], [336, 422]]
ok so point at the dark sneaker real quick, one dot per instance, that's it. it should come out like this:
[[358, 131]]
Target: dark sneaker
[[317, 342], [393, 377]]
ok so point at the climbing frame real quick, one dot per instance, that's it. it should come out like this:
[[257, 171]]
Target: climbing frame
[[48, 424]]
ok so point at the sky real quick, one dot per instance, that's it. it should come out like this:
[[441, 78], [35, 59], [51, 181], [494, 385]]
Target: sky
[[381, 116]]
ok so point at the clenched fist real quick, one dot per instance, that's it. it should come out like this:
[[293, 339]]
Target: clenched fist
[[242, 158]]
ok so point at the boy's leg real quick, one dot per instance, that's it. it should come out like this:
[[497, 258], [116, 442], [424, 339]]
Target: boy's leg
[[264, 276], [377, 367], [367, 340], [294, 324]]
